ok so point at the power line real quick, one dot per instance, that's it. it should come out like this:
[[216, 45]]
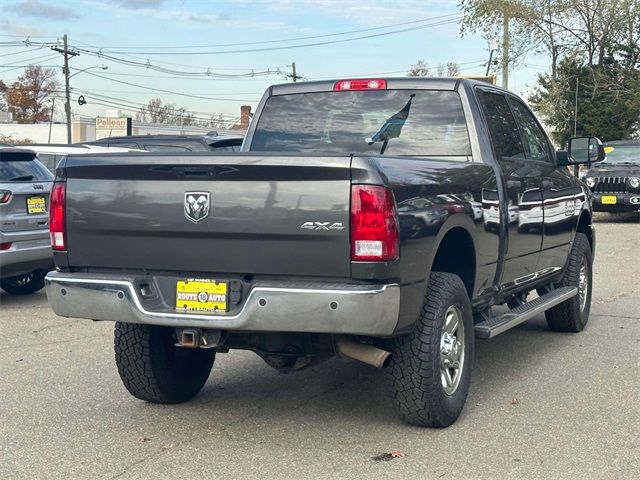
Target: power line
[[170, 91], [92, 94], [288, 47], [284, 40]]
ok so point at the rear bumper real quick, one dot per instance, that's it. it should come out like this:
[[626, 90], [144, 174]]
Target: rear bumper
[[329, 308]]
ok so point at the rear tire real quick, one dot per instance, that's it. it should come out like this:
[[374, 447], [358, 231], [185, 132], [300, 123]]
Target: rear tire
[[153, 369], [24, 284], [573, 314], [424, 393]]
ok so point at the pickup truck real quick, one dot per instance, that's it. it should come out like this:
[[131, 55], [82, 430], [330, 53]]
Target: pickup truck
[[353, 222]]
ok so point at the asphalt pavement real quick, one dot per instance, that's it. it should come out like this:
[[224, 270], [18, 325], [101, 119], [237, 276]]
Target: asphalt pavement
[[542, 404]]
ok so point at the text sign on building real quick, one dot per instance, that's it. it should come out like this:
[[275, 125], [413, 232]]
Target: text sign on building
[[112, 127]]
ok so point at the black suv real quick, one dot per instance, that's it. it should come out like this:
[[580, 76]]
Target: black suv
[[175, 143], [615, 182]]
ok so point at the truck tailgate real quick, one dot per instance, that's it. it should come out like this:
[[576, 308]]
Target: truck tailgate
[[149, 212]]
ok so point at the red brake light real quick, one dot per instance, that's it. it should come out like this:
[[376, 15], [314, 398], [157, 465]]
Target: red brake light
[[374, 227], [5, 246], [360, 84], [57, 220], [5, 196]]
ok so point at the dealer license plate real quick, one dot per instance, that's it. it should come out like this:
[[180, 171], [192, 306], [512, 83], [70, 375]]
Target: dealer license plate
[[608, 199], [36, 205], [198, 295]]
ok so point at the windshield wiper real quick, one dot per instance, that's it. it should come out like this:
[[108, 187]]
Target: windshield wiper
[[23, 178], [392, 127]]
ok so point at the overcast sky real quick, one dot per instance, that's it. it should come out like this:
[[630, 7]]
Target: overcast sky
[[134, 30]]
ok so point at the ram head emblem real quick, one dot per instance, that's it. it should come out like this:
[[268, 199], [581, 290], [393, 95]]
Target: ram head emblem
[[197, 205]]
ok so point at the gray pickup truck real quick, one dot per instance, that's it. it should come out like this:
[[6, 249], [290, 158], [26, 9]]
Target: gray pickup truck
[[392, 221]]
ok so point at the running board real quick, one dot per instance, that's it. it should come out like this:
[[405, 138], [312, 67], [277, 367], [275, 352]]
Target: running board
[[489, 327]]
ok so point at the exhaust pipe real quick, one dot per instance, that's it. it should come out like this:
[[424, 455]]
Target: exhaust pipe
[[368, 354]]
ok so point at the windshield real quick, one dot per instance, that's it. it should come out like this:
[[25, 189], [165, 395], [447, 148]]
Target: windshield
[[391, 122], [622, 153]]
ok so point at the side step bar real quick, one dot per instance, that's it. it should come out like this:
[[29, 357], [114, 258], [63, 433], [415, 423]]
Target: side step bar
[[489, 327]]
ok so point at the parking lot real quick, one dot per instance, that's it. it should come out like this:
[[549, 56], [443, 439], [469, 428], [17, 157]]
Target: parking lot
[[542, 404]]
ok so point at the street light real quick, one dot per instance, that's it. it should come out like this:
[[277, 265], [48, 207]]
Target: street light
[[101, 67], [67, 105]]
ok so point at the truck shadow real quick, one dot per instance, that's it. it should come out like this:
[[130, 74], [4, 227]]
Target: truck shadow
[[340, 391]]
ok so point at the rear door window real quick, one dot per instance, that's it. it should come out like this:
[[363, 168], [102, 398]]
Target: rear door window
[[24, 171], [390, 122]]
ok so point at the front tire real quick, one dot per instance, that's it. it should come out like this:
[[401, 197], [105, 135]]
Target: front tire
[[431, 367], [24, 284], [573, 314], [153, 369]]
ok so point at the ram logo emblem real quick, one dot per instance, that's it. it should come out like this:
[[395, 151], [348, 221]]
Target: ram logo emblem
[[322, 226], [197, 205]]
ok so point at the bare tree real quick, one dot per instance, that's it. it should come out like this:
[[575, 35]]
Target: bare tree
[[421, 69]]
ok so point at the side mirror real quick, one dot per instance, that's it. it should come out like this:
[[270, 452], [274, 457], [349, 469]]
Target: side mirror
[[584, 150]]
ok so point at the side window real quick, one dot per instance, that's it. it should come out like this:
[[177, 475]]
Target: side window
[[503, 128], [534, 138]]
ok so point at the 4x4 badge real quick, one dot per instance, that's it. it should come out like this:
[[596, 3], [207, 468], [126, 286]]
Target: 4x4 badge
[[197, 205]]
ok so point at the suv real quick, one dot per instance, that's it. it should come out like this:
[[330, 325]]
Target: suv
[[25, 252], [175, 143], [615, 182]]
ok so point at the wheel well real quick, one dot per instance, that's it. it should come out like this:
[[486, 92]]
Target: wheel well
[[584, 226], [456, 254]]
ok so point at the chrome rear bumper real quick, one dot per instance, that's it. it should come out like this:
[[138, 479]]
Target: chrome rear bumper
[[340, 309]]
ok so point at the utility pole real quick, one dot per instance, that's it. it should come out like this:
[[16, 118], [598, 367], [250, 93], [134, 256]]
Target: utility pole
[[505, 51], [53, 103], [293, 74], [67, 106], [575, 111]]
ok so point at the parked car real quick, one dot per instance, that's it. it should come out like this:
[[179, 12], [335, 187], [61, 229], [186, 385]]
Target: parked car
[[50, 154], [175, 143], [25, 251], [347, 227], [615, 182]]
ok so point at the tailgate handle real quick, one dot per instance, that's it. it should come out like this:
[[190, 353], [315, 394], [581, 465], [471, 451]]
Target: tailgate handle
[[195, 171], [42, 222]]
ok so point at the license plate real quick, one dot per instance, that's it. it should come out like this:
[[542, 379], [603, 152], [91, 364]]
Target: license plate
[[201, 295], [608, 199], [36, 205]]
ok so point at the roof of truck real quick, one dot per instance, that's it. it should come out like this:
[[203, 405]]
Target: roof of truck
[[427, 83]]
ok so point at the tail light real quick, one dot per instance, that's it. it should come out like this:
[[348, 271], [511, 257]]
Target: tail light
[[5, 196], [57, 220], [374, 225], [5, 246], [360, 84]]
